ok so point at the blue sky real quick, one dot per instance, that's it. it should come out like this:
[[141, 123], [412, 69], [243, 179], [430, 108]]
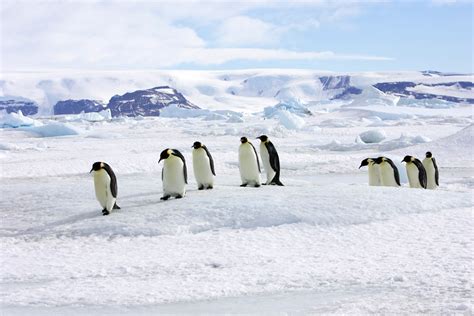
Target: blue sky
[[319, 34]]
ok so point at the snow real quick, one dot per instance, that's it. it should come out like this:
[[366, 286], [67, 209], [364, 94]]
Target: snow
[[54, 129], [15, 120], [324, 243], [372, 136], [246, 91], [452, 90], [104, 115]]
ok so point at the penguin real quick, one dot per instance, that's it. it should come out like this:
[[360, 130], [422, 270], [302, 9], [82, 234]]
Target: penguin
[[203, 166], [270, 160], [174, 174], [105, 184], [416, 172], [374, 171], [432, 174], [249, 165], [389, 176]]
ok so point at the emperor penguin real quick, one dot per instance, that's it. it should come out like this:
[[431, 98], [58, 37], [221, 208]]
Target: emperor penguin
[[203, 166], [432, 174], [105, 184], [374, 171], [249, 164], [270, 160], [416, 172], [174, 174], [389, 176]]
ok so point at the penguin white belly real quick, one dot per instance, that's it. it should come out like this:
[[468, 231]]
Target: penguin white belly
[[173, 176], [102, 189], [248, 165], [374, 175], [430, 174], [266, 163], [412, 173], [387, 175], [202, 168]]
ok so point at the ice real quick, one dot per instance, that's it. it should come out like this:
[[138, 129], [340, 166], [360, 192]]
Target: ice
[[104, 115], [289, 120], [53, 129], [325, 243], [15, 120], [372, 136], [294, 106]]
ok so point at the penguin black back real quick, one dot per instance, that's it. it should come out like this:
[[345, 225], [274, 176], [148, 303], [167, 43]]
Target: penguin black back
[[198, 145], [430, 155]]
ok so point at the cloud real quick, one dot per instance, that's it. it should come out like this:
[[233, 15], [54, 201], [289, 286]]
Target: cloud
[[109, 34], [218, 56], [243, 30]]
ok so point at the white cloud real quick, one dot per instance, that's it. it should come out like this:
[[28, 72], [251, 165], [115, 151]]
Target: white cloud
[[243, 30], [145, 34]]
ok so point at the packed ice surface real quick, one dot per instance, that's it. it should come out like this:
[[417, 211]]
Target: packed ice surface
[[372, 136], [326, 242], [15, 120]]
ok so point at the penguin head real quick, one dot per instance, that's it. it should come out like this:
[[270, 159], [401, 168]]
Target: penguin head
[[408, 159], [197, 145], [96, 166], [165, 154], [429, 154], [263, 138], [379, 160], [243, 140], [366, 162]]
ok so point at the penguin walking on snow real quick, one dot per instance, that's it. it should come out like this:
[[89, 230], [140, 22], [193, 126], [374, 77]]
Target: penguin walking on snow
[[416, 172], [105, 184], [203, 166], [432, 174], [270, 159], [374, 171], [249, 164], [174, 174], [389, 176]]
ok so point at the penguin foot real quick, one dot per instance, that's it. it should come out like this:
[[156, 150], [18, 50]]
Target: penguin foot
[[178, 196], [105, 212], [201, 187], [210, 187], [165, 197], [243, 185], [277, 183], [116, 207], [257, 185]]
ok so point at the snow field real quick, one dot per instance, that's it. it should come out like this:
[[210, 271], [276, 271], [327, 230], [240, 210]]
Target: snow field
[[326, 242]]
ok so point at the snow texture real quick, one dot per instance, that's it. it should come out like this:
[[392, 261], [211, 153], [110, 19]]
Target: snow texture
[[326, 242]]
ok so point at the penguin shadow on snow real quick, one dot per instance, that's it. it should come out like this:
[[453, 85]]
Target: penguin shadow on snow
[[66, 221]]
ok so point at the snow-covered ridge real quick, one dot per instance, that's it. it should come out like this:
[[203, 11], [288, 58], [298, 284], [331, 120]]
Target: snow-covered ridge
[[238, 90]]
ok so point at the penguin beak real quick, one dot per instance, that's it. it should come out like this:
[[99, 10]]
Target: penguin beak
[[91, 170], [360, 166]]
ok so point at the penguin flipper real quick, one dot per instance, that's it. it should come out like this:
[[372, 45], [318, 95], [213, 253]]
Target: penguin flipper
[[421, 173], [211, 161], [113, 180], [436, 171], [273, 154], [256, 156]]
